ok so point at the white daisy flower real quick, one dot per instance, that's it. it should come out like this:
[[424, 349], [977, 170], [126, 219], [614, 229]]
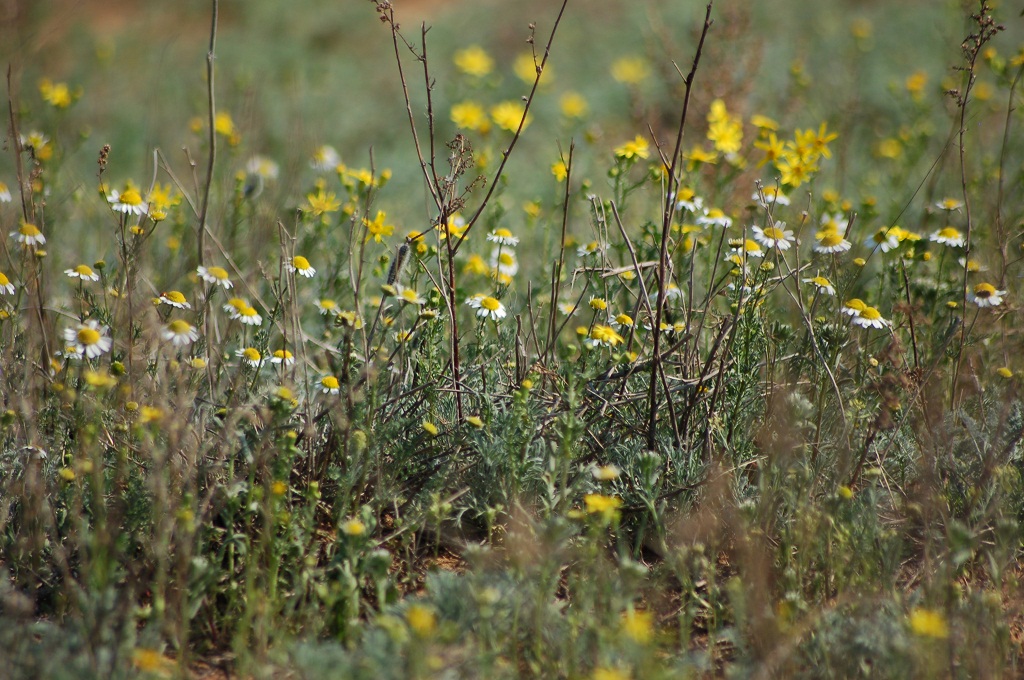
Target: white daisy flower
[[672, 292], [504, 261], [174, 298], [830, 241], [409, 296], [886, 238], [490, 307], [834, 221], [5, 193], [215, 275], [29, 235], [853, 307], [282, 356], [949, 236], [621, 320], [869, 317], [83, 272], [300, 265], [772, 196], [5, 285], [776, 236], [745, 247], [503, 237], [180, 333], [592, 248], [330, 385], [249, 316], [128, 201], [89, 339], [234, 307], [986, 295], [327, 306], [250, 356], [949, 204], [822, 284], [262, 167], [689, 201], [715, 218], [325, 158]]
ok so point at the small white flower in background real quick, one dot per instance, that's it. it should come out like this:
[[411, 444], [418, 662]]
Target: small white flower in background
[[327, 306], [592, 248], [490, 307], [330, 385], [772, 195], [5, 193], [409, 295], [834, 221], [128, 201], [29, 235], [986, 295], [830, 241], [504, 261], [503, 237], [234, 306], [325, 158], [949, 204], [282, 356], [250, 356], [776, 236], [869, 317], [300, 265], [89, 339], [249, 316], [715, 218], [886, 238], [174, 298], [605, 473], [215, 275], [822, 284], [180, 333], [949, 236], [262, 167], [83, 272], [853, 307]]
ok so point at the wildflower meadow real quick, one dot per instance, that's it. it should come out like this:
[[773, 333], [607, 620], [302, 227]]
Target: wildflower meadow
[[578, 339]]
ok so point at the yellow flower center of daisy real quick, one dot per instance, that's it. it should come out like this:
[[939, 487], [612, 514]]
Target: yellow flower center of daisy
[[88, 336], [282, 354], [300, 263], [830, 238], [949, 233], [774, 233], [4, 281], [409, 295], [238, 303], [624, 319], [252, 354], [175, 296], [220, 272], [507, 259], [870, 313], [821, 281], [83, 270], [179, 327], [248, 311], [490, 303], [328, 304], [29, 229], [131, 197], [855, 304], [330, 382], [984, 290], [503, 233]]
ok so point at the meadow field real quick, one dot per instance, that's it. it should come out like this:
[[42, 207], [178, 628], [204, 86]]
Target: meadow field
[[581, 339]]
